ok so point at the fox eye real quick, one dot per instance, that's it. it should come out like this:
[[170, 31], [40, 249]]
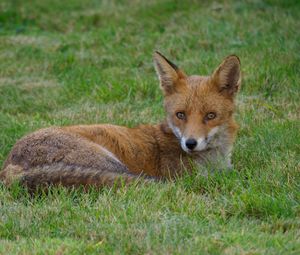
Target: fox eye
[[210, 116], [180, 115]]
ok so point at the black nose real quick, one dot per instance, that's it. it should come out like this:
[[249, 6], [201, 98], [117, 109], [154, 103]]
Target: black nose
[[191, 143]]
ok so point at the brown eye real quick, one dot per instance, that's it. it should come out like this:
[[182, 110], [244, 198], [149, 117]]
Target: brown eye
[[180, 115], [210, 116]]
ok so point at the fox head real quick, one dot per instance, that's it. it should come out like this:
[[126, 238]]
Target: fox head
[[199, 108]]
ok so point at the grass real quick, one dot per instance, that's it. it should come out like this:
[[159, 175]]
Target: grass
[[69, 62]]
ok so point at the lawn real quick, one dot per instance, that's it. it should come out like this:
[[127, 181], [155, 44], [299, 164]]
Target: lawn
[[71, 62]]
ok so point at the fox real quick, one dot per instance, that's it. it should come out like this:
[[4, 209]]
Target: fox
[[199, 129]]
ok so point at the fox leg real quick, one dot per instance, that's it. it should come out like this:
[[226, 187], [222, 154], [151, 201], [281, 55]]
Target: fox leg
[[55, 157]]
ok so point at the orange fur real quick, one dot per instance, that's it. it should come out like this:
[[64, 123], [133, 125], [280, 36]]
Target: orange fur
[[198, 108]]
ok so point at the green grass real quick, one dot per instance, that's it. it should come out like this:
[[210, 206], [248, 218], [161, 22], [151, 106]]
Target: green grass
[[70, 62]]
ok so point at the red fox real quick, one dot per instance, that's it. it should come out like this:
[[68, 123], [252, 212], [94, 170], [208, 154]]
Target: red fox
[[199, 129]]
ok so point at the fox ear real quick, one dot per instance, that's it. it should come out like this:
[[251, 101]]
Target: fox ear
[[227, 77], [168, 73]]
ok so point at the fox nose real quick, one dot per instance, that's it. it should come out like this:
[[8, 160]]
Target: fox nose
[[191, 143]]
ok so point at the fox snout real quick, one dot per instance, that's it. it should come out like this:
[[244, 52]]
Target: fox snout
[[191, 144]]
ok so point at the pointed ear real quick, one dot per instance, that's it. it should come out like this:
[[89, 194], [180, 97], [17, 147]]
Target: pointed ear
[[168, 73], [227, 77]]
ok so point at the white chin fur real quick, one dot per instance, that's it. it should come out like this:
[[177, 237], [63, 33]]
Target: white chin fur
[[182, 143], [175, 130], [201, 144]]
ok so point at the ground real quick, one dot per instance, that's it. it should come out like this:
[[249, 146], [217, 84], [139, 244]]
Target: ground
[[70, 62]]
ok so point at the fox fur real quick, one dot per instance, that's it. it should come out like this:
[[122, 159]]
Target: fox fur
[[199, 129]]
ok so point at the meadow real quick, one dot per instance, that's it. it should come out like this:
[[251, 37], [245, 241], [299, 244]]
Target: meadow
[[83, 62]]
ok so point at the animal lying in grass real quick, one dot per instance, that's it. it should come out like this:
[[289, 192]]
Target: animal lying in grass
[[199, 129]]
